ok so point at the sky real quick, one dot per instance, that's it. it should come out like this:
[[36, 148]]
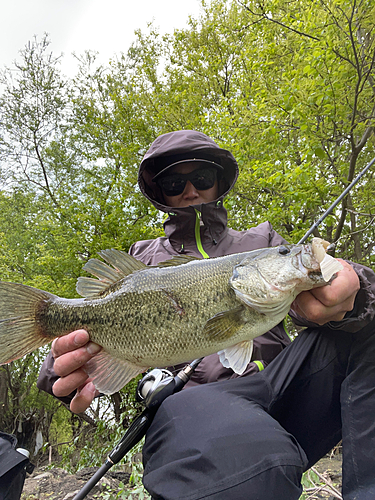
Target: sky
[[104, 26]]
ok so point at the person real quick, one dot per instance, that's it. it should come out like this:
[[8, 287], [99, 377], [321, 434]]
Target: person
[[248, 436]]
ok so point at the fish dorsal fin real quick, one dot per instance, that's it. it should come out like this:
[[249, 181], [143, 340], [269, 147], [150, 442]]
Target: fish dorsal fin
[[237, 357], [91, 287], [124, 263], [119, 265], [177, 260]]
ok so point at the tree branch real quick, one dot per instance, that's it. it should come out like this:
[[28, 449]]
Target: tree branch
[[263, 15]]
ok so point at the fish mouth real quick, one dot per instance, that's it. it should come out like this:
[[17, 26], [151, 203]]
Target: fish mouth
[[319, 263], [308, 260]]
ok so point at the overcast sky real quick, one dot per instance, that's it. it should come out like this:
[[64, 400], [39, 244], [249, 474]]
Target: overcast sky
[[105, 26]]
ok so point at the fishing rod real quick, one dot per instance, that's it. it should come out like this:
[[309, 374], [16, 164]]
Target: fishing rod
[[336, 202], [158, 384]]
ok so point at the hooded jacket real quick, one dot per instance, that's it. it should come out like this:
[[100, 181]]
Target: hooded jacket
[[199, 230]]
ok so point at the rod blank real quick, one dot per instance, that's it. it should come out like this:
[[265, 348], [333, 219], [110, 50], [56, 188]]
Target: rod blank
[[336, 202]]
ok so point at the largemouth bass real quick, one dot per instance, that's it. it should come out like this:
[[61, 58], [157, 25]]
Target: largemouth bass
[[177, 311]]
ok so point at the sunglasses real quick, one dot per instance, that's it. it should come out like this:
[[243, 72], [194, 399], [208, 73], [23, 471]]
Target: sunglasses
[[174, 184]]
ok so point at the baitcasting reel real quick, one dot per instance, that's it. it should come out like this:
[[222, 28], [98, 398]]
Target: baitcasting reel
[[155, 387]]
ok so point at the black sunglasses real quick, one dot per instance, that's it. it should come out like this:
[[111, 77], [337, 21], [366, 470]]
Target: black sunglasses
[[174, 184]]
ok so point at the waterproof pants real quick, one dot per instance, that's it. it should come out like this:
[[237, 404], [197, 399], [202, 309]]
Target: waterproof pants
[[253, 437]]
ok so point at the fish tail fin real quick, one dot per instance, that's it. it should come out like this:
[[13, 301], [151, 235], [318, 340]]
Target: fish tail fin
[[20, 332]]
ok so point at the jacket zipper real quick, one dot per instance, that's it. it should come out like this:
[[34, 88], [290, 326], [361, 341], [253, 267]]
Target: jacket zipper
[[198, 235]]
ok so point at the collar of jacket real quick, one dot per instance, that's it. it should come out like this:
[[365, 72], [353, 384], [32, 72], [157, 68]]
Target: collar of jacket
[[196, 227]]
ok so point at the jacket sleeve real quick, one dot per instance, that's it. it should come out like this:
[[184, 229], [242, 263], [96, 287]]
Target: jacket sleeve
[[364, 306], [47, 377]]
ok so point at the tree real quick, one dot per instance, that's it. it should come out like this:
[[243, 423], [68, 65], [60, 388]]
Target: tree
[[60, 204], [322, 105], [31, 113], [288, 88]]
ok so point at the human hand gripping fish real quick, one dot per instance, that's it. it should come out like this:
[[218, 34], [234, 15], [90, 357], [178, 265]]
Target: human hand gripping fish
[[71, 353], [219, 328], [331, 302]]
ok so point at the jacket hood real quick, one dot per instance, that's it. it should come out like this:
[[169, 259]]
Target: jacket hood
[[182, 145]]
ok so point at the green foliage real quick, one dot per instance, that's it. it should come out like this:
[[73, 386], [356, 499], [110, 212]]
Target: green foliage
[[295, 110], [94, 449], [134, 490], [26, 410], [315, 484]]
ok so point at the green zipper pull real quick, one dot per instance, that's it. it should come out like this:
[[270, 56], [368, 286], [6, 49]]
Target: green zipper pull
[[198, 235]]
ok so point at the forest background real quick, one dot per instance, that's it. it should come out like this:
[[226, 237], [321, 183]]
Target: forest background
[[287, 86]]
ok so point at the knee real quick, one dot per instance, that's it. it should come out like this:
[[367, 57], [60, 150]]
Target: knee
[[229, 450]]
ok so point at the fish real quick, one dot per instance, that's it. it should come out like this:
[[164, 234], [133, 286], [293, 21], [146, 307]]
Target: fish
[[156, 316]]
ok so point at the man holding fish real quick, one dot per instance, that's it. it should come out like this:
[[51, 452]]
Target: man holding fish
[[245, 437]]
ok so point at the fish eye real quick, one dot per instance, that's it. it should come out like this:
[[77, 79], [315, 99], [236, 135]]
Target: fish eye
[[283, 250]]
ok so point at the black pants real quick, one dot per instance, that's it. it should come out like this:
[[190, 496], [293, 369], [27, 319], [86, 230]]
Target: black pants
[[253, 437]]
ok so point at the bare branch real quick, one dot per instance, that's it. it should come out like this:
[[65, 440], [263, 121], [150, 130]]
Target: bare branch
[[264, 16]]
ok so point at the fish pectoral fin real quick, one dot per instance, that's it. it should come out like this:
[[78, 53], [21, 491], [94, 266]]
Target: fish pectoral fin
[[110, 374], [237, 357], [225, 324], [119, 265]]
